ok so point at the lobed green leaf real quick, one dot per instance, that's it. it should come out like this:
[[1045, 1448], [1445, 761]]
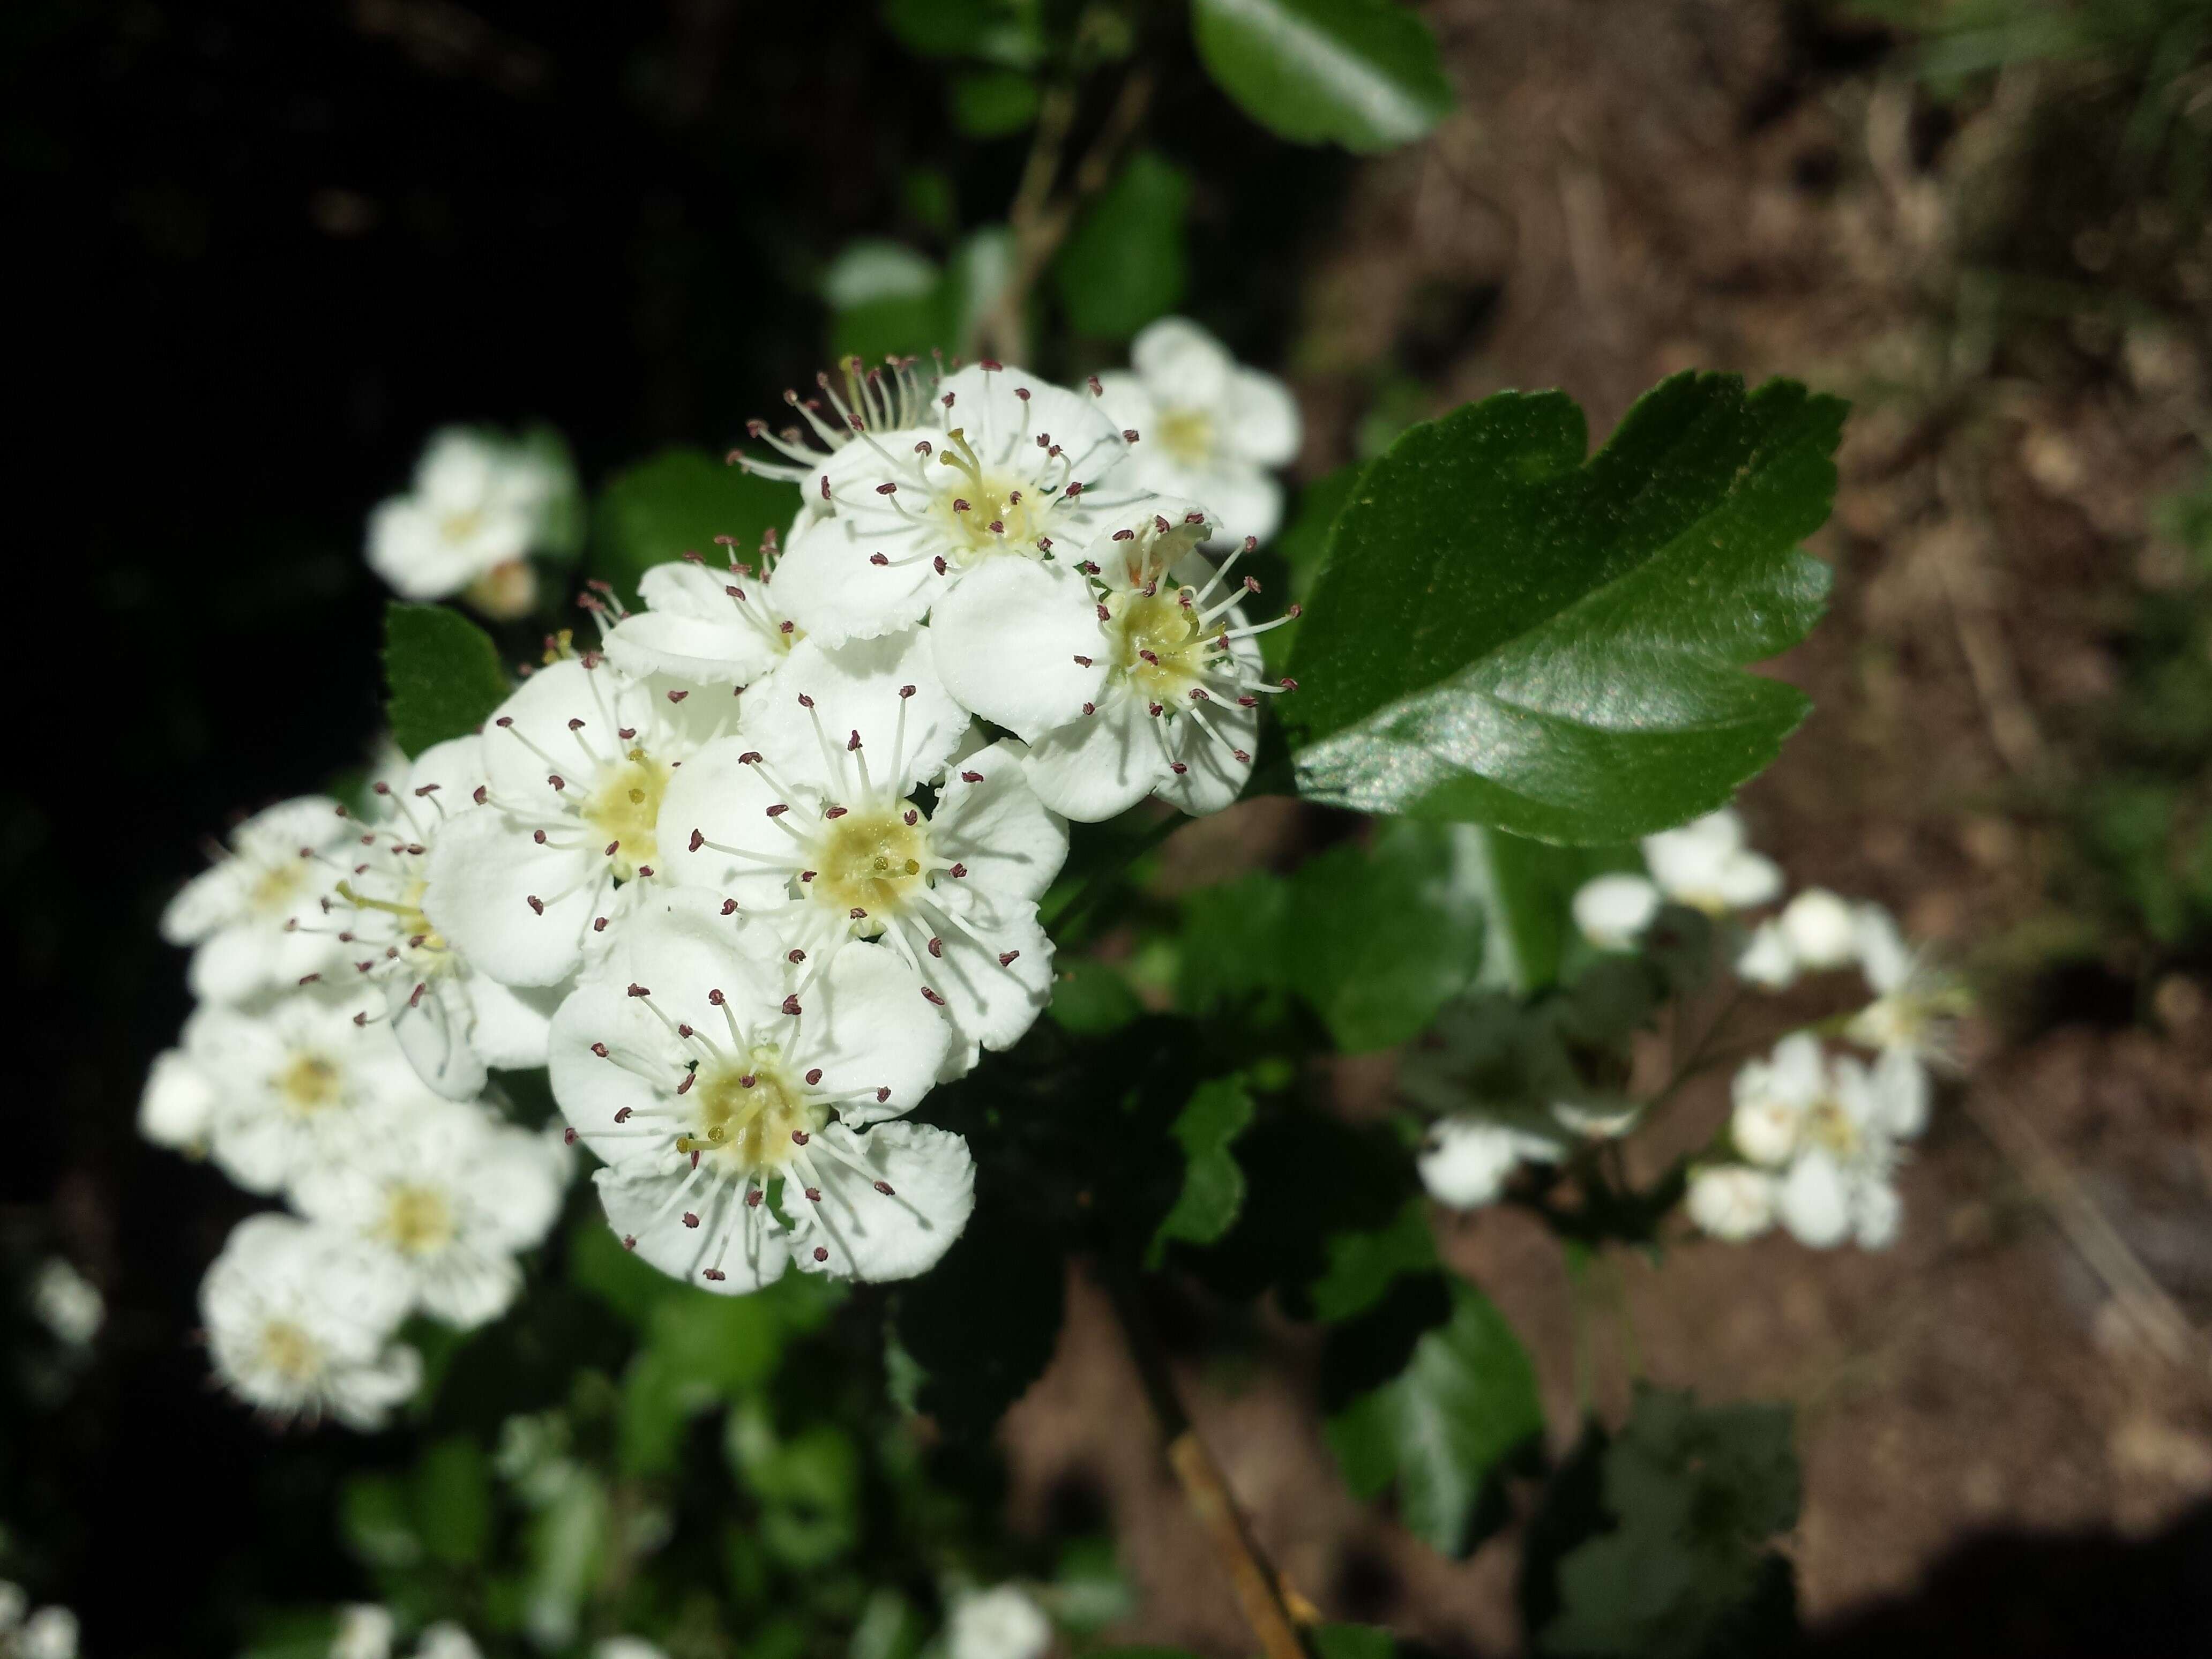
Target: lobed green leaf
[[1364, 74], [1510, 634], [1213, 1185]]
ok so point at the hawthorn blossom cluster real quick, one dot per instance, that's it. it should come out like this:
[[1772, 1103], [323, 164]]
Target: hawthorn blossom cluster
[[336, 1059], [1816, 1133], [749, 877], [480, 504], [44, 1633]]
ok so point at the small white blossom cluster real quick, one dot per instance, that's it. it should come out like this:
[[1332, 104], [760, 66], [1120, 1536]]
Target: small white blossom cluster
[[336, 1059], [46, 1633], [480, 504], [1816, 1137], [1003, 1622], [749, 878]]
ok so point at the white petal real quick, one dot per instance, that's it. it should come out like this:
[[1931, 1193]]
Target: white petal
[[433, 1030], [1018, 642], [751, 1248], [1261, 421], [1902, 1088], [1613, 910], [511, 1021], [441, 782], [1821, 930], [1241, 500], [725, 800], [1884, 956], [1216, 757], [1731, 1202], [989, 819], [1877, 1215], [467, 1289], [1746, 879], [242, 961], [995, 969], [179, 1102], [537, 742], [828, 581], [856, 689], [210, 900], [1123, 401], [864, 1233], [484, 871], [1766, 959], [1182, 365], [875, 1031], [1098, 767], [1467, 1159], [1814, 1202]]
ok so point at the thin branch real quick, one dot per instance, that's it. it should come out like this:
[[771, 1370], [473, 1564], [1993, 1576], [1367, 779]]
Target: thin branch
[[1260, 1590]]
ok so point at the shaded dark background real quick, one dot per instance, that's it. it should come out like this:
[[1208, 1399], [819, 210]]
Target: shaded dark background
[[260, 250]]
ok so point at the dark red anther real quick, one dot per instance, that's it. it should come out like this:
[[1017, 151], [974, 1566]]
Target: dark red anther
[[625, 733], [805, 702], [877, 558], [957, 872], [535, 903], [637, 990], [575, 726], [691, 1219], [1007, 958], [1074, 488], [912, 817], [794, 955], [933, 996], [883, 1094], [1288, 684], [1125, 535], [712, 1275], [886, 489], [568, 1137], [729, 906], [779, 809], [971, 777], [1159, 523], [936, 947], [852, 742], [599, 924], [538, 836], [714, 998], [1097, 389], [414, 997], [856, 913], [825, 486], [481, 791], [753, 1198], [814, 1075], [799, 1137], [1090, 708], [1177, 768], [610, 847], [821, 1254], [504, 720], [1104, 615], [791, 1005], [990, 364], [601, 1049], [806, 875], [622, 1114], [557, 781], [939, 562], [751, 757], [630, 1241], [677, 697], [1295, 611], [685, 1087], [885, 1188]]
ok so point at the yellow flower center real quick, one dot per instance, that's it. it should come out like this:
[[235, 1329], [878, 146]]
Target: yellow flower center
[[1832, 1129], [290, 1351], [1157, 642], [627, 807], [417, 1220], [277, 885], [872, 860], [459, 526], [987, 513], [748, 1110], [308, 1084], [417, 937], [1185, 434]]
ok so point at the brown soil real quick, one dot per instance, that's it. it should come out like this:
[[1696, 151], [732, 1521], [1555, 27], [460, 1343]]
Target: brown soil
[[1629, 190]]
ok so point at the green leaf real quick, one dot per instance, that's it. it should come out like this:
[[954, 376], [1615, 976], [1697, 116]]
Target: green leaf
[[1093, 997], [808, 1485], [452, 1501], [442, 674], [1506, 634], [1687, 1497], [1375, 939], [1125, 265], [1303, 545], [993, 103], [1007, 32], [1351, 1642], [981, 1324], [1212, 1185], [887, 301], [677, 503], [1364, 74], [1363, 1264], [1464, 1405]]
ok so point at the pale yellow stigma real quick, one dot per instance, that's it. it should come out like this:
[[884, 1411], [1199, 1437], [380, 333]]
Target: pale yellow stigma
[[626, 809], [1157, 643], [290, 1351], [749, 1110], [1832, 1129], [987, 513], [277, 885], [1185, 434], [872, 861], [417, 1220], [308, 1084]]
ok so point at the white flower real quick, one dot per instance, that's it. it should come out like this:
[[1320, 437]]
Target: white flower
[[448, 1195], [298, 1319], [364, 1631], [49, 1633], [626, 1647], [1914, 1004], [177, 1109], [807, 819], [704, 626], [1772, 1097], [447, 1640], [1210, 427], [1134, 673], [1705, 865], [245, 914], [452, 1022], [1731, 1201], [1766, 959], [478, 507], [67, 1304], [1838, 1184], [1468, 1157], [1821, 929], [14, 1604], [1002, 1623], [730, 1108], [1896, 1089], [920, 490], [295, 1078], [1613, 910], [564, 836]]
